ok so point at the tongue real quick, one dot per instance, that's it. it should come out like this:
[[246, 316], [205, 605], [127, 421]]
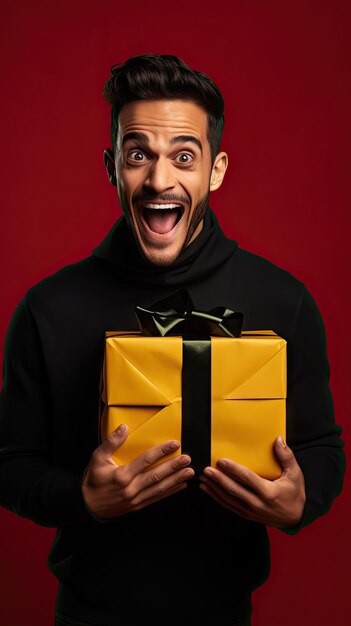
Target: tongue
[[161, 221]]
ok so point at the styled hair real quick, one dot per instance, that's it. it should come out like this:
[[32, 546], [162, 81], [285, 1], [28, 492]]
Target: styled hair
[[164, 77]]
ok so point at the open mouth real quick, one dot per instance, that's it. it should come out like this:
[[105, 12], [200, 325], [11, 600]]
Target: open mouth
[[162, 218]]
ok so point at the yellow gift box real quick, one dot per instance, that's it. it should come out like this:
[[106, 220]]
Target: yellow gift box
[[142, 387]]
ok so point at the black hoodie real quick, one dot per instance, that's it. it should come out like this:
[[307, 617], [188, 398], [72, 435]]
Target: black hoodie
[[185, 559]]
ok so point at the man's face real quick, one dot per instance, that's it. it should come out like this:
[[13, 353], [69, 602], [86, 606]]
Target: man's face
[[163, 170]]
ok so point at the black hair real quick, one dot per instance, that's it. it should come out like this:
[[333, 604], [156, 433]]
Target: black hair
[[164, 77]]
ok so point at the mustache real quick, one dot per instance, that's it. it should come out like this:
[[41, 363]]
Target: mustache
[[161, 197]]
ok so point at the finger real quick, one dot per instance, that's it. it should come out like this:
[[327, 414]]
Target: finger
[[229, 488], [156, 480], [150, 456], [243, 475], [151, 500], [165, 487], [113, 441], [135, 504], [163, 470], [234, 505], [285, 455]]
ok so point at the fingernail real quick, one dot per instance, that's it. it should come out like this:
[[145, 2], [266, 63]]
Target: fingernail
[[208, 471], [188, 473], [222, 463], [120, 430], [282, 442], [173, 445]]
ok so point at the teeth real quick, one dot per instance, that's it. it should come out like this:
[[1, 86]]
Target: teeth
[[161, 206]]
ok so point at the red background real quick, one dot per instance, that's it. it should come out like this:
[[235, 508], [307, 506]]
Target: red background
[[284, 70]]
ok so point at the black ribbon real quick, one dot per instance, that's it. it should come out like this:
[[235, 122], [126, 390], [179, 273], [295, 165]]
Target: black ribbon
[[176, 315]]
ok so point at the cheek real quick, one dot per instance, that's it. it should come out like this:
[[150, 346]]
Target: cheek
[[120, 188], [123, 197], [199, 184], [130, 182], [124, 186], [197, 192]]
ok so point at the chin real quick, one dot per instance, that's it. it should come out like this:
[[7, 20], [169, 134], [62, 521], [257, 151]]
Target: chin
[[160, 260]]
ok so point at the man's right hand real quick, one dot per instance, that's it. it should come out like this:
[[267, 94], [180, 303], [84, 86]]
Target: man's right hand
[[111, 490]]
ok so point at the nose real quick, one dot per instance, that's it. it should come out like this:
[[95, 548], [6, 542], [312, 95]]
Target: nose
[[160, 175]]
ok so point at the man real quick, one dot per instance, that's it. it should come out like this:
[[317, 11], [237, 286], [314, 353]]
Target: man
[[135, 543]]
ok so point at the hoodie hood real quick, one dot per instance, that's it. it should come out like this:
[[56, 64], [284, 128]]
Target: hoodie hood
[[202, 257]]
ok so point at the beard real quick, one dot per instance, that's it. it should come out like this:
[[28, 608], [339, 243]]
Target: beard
[[196, 218]]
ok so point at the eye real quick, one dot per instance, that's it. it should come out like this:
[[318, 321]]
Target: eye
[[184, 157], [136, 155]]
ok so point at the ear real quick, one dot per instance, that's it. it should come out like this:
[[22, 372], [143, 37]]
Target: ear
[[109, 161], [219, 168]]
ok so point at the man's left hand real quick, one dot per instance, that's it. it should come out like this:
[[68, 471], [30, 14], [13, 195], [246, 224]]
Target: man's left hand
[[278, 503]]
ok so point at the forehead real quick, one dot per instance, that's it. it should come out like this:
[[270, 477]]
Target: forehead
[[164, 117]]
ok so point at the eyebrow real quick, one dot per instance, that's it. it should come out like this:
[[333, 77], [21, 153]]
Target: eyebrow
[[142, 138]]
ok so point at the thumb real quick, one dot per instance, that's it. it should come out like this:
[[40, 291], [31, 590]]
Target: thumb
[[115, 439], [284, 453]]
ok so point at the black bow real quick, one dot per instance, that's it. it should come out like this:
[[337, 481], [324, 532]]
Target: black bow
[[176, 315]]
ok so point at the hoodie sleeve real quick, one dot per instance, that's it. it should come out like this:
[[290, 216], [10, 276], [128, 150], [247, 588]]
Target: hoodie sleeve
[[30, 484], [312, 432]]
